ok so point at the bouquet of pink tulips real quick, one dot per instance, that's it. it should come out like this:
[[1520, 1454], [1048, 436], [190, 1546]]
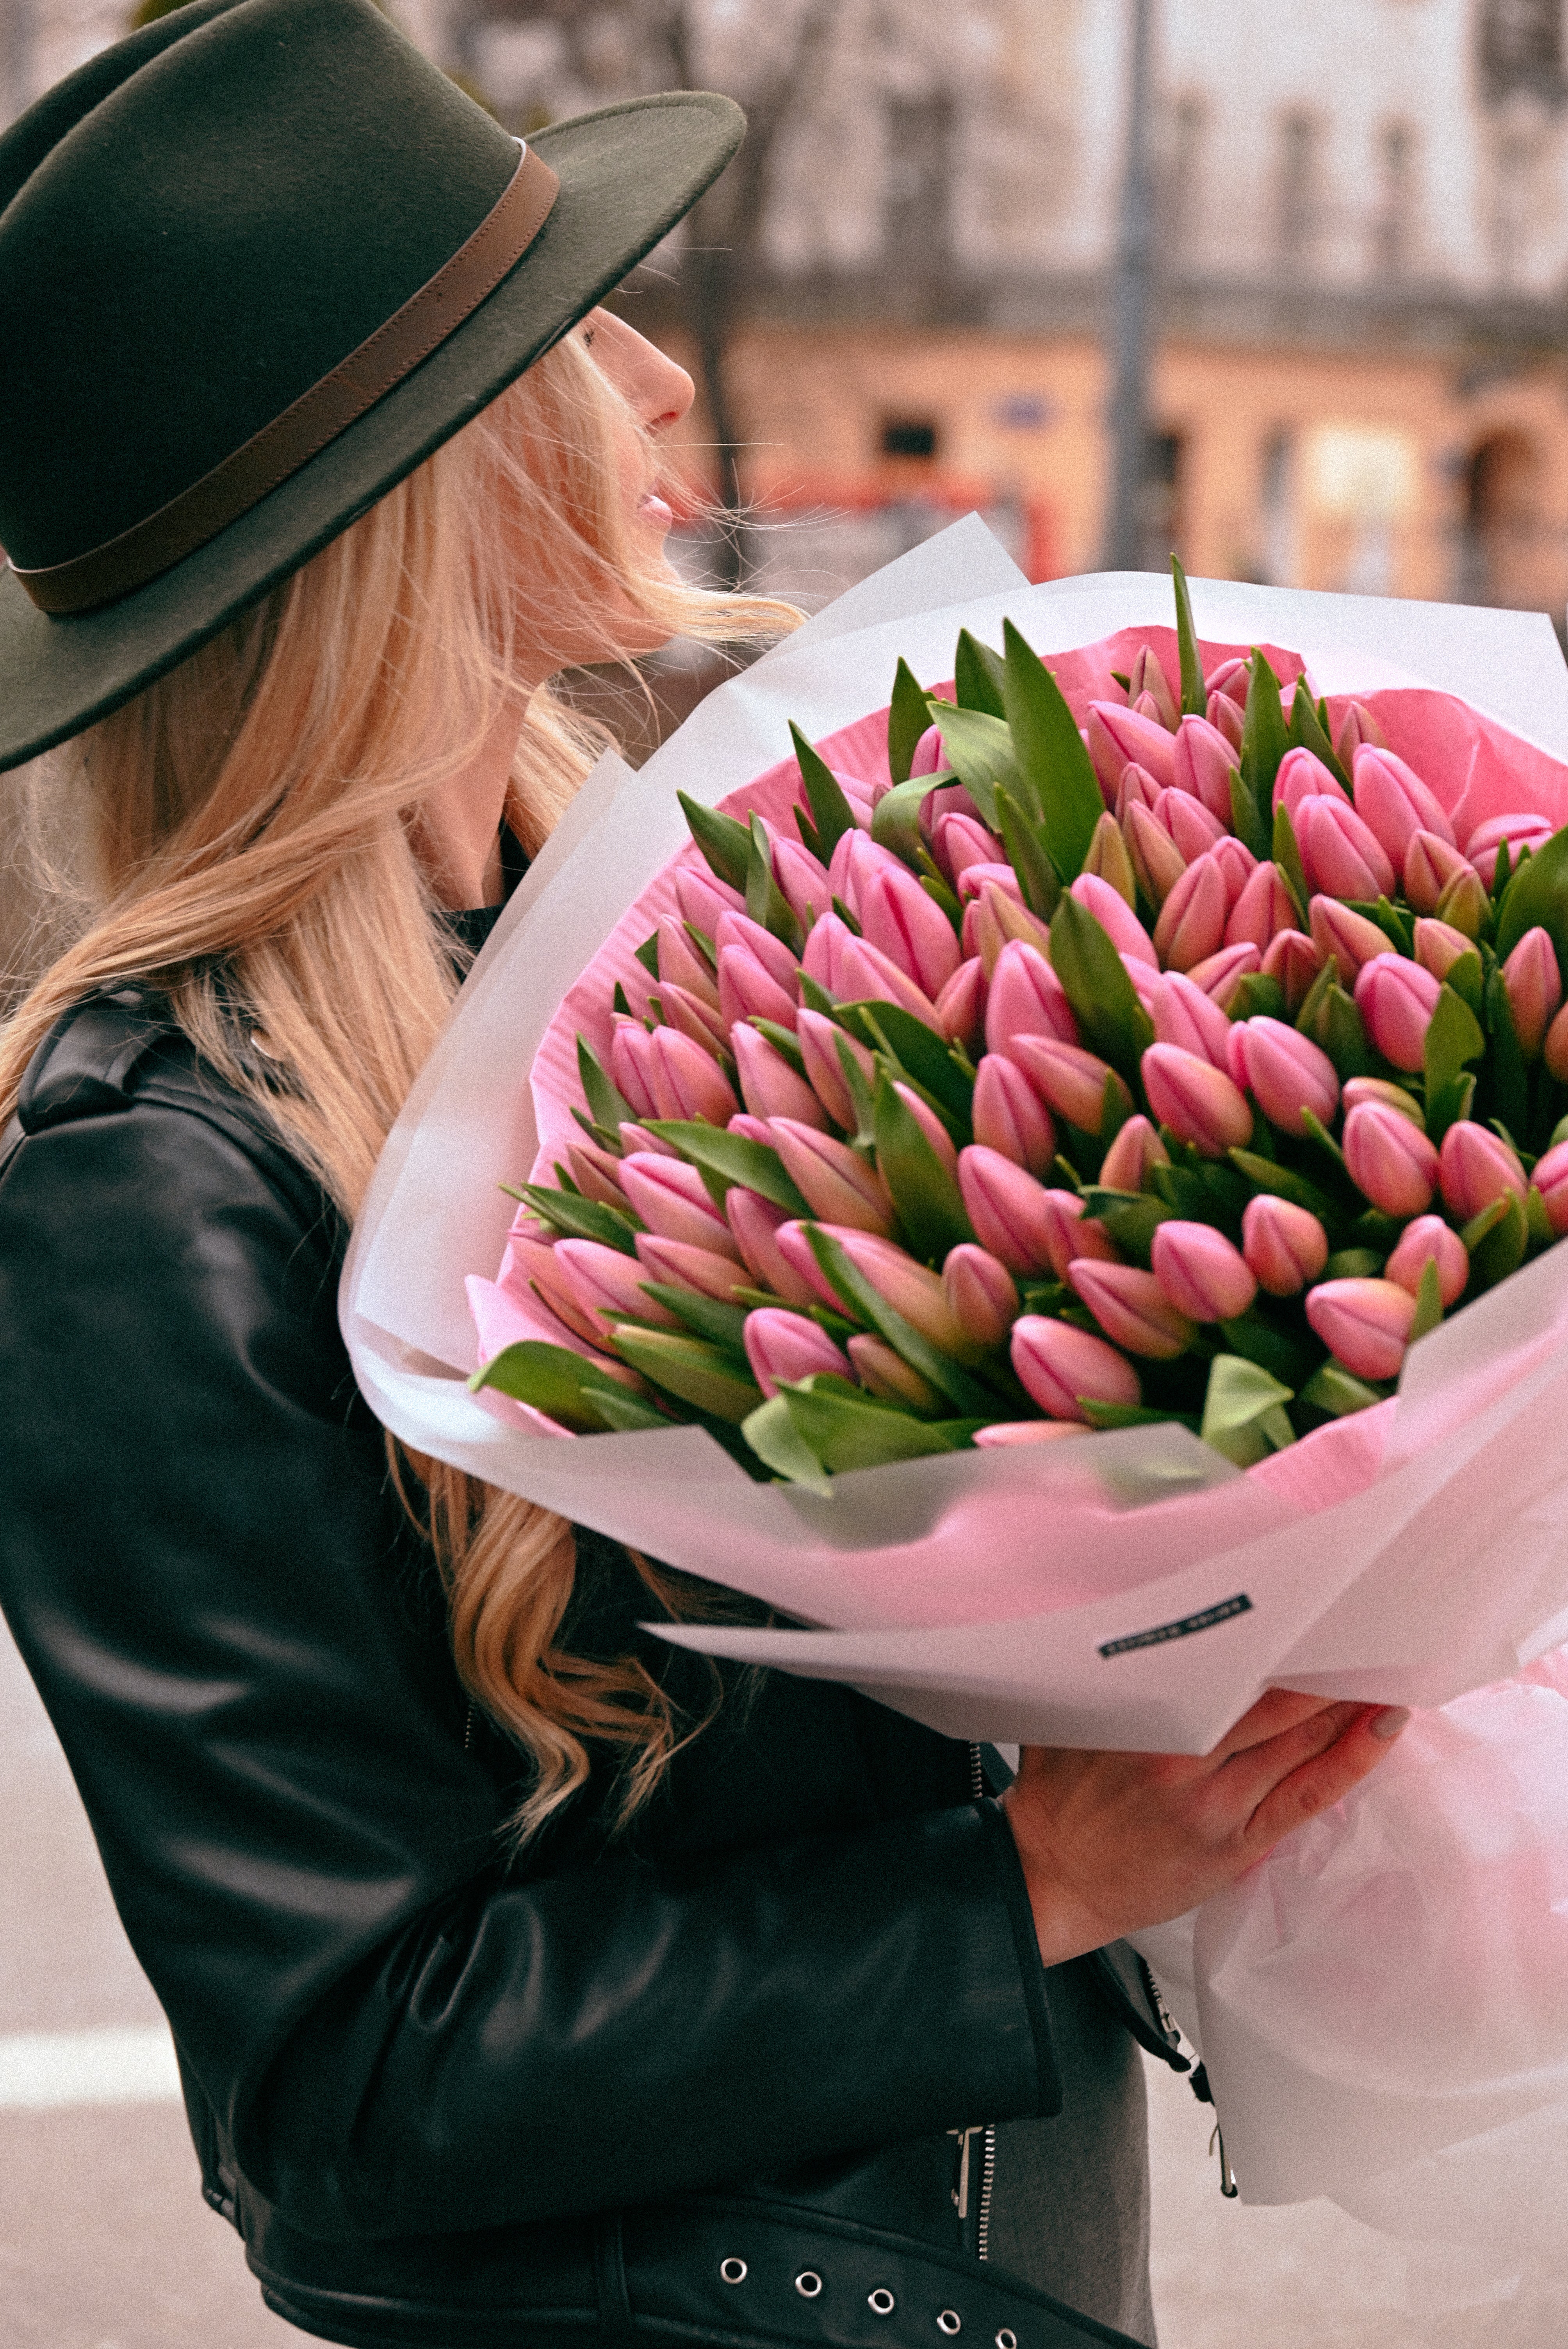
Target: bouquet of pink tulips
[[1168, 1051]]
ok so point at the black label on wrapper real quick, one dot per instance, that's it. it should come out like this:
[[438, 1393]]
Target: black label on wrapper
[[1182, 1628]]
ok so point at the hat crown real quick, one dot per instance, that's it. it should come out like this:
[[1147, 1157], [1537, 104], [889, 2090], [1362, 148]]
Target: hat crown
[[207, 237]]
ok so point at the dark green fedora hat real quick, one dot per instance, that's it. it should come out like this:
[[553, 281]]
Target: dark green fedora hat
[[256, 262]]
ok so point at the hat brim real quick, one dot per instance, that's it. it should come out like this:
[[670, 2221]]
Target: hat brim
[[627, 174]]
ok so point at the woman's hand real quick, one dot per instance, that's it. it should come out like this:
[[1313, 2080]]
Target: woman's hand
[[1111, 1842]]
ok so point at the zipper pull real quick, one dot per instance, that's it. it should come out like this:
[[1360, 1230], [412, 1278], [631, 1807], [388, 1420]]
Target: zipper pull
[[961, 2191]]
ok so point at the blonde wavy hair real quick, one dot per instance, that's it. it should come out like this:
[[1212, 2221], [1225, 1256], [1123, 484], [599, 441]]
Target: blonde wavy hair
[[251, 843]]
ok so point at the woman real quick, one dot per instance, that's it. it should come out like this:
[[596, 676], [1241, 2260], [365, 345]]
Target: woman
[[527, 1982]]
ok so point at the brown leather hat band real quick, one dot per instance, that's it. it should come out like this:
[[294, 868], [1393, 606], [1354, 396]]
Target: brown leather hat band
[[319, 415]]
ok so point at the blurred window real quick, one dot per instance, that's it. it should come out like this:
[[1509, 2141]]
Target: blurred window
[[1182, 188], [909, 436], [1295, 187], [917, 191], [1520, 48], [1159, 515], [1393, 223]]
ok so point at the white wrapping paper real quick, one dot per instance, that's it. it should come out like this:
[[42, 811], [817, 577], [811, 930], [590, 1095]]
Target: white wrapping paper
[[1435, 1891]]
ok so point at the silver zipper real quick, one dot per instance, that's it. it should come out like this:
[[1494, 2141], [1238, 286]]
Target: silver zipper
[[987, 2180], [976, 1775], [988, 2136]]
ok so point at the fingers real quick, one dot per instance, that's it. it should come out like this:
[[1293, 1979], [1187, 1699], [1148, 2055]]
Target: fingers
[[1326, 1778], [1276, 1710]]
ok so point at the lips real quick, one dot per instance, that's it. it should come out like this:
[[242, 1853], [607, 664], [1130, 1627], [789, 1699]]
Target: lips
[[654, 509]]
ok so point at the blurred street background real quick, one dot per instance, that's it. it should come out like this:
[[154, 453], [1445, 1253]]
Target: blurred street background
[[1282, 289]]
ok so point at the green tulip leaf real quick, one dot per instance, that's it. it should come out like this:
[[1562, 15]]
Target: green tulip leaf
[[1194, 699], [733, 1158], [977, 676], [1454, 1038], [1265, 740], [1428, 1301], [725, 844], [1497, 1249], [980, 752], [845, 1431], [1334, 1390], [565, 1386], [647, 953], [895, 821], [1037, 874], [608, 1106], [1287, 856], [765, 901], [1506, 1065], [577, 1218], [831, 811], [864, 1299], [1537, 895], [930, 1207], [771, 1432], [1243, 1417], [710, 1317], [1282, 1182], [1062, 783], [1111, 1020], [1248, 820], [1308, 732], [704, 1375], [907, 721]]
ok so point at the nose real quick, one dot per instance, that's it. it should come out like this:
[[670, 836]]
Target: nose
[[656, 391]]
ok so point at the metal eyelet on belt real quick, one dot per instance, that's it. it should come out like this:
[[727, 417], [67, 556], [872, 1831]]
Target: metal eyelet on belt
[[732, 2270], [1006, 2338], [950, 2321], [881, 2303], [808, 2283]]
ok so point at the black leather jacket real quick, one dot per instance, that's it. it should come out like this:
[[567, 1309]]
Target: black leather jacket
[[656, 2082]]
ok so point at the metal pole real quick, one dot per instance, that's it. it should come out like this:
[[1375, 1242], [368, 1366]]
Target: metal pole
[[1130, 303]]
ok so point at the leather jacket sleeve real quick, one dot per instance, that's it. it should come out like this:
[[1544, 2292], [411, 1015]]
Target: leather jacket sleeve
[[212, 1586]]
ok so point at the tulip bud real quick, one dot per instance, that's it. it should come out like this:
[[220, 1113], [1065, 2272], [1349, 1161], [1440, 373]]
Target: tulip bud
[[1131, 1307], [1338, 853], [630, 1045], [1429, 1240], [703, 898], [1192, 923], [1381, 1090], [1302, 776], [1462, 905], [1205, 758], [1389, 1159], [944, 799], [747, 991], [902, 921], [1026, 998], [802, 880], [1551, 1179], [1137, 787], [1184, 1015], [1284, 1246], [1197, 1101], [769, 1085], [931, 1126], [740, 930], [1029, 1228], [819, 1039], [1233, 678], [752, 1128], [1237, 863], [784, 1347], [1286, 1075], [678, 1265], [930, 756], [1227, 720], [1356, 726], [912, 1290], [1439, 948], [980, 1295], [1063, 1368], [1070, 1080], [1293, 962], [977, 879], [1554, 1050], [835, 1181], [1397, 999], [671, 1199], [755, 1223], [793, 1243], [685, 1081], [961, 1007], [607, 1286], [527, 1270], [1429, 864], [1534, 986], [680, 965], [596, 1175], [1148, 679], [1365, 1324], [690, 1016], [1008, 1115], [1120, 738], [855, 971], [1116, 918], [885, 1373], [1132, 1156], [856, 860], [1218, 975], [1201, 1274], [1394, 804], [1147, 980], [963, 841], [1188, 823], [1108, 861], [1524, 830], [1153, 853], [1349, 937], [1264, 908], [1477, 1167], [1003, 1434]]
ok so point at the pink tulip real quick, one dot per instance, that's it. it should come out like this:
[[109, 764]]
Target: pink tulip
[[1063, 1368], [855, 860], [740, 930], [1389, 1159], [1192, 923], [1383, 1090], [1068, 1079], [1196, 1101], [1554, 1049], [834, 1180], [1183, 1014], [1003, 1434], [1119, 737], [1147, 982], [1233, 678], [1264, 908], [1156, 861], [1219, 974], [883, 1372], [962, 839], [1339, 852], [1463, 903], [652, 1145], [1349, 937], [769, 1085], [1115, 917], [1394, 804], [755, 1223], [1524, 830], [1237, 864], [678, 1265], [1286, 1073], [1429, 1240], [752, 1128], [1478, 1167], [1226, 718], [1147, 679], [1108, 861], [1031, 1230], [749, 990], [1203, 762], [911, 1290], [980, 1295], [690, 1016], [1137, 788], [671, 1199], [793, 1243], [784, 1347], [1397, 999], [854, 971], [819, 1039], [596, 1175], [1534, 986], [1008, 1115], [961, 1006], [1292, 961], [1201, 1274], [802, 880], [1131, 1307], [1188, 823], [1430, 866], [1438, 947], [1132, 1156], [630, 1049], [946, 800], [1026, 998], [1356, 726], [1551, 1179], [704, 899], [528, 1268], [930, 756], [1302, 776], [681, 965], [975, 879], [607, 1286], [1284, 1246], [1365, 1324], [904, 923], [685, 1081]]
